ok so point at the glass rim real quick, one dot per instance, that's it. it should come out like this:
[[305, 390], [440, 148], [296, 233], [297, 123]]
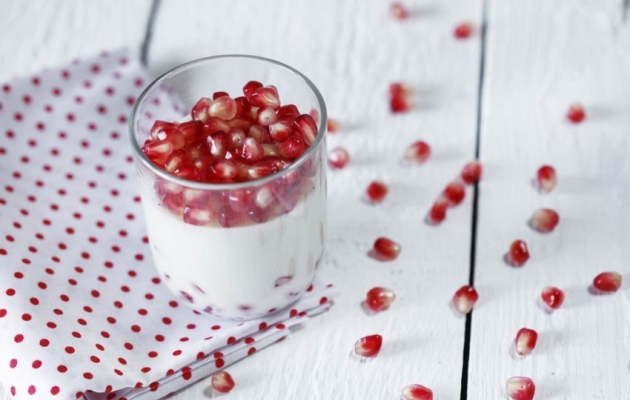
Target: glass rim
[[139, 154]]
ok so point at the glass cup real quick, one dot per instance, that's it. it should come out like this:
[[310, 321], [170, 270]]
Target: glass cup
[[236, 250]]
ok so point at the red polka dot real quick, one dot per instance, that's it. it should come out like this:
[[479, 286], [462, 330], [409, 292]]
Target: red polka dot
[[36, 364], [251, 351], [76, 334], [177, 353], [128, 346], [153, 354], [51, 325], [154, 386], [54, 390], [135, 328], [44, 342], [231, 340], [219, 363], [32, 389], [88, 375], [3, 312], [186, 373], [62, 368], [69, 349], [26, 317], [95, 359], [13, 363]]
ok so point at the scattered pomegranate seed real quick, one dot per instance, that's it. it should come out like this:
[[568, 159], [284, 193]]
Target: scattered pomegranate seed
[[418, 152], [544, 220], [376, 192], [368, 346], [416, 392], [607, 282], [265, 97], [552, 298], [471, 172], [292, 148], [332, 126], [525, 341], [546, 179], [520, 388], [437, 214], [379, 299], [306, 127], [463, 30], [454, 193], [399, 98], [518, 254], [216, 95], [338, 158], [464, 299], [250, 87], [222, 382], [385, 249], [576, 113]]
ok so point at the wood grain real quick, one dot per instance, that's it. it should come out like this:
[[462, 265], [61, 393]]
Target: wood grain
[[542, 56]]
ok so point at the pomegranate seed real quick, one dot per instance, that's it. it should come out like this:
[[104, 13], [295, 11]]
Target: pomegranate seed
[[228, 217], [197, 217], [399, 11], [416, 392], [195, 198], [288, 110], [217, 144], [332, 126], [260, 134], [454, 193], [271, 150], [306, 127], [525, 341], [464, 299], [399, 98], [200, 110], [191, 131], [252, 151], [518, 254], [280, 131], [463, 30], [418, 152], [159, 126], [223, 107], [174, 136], [546, 179], [250, 87], [216, 95], [240, 199], [186, 172], [520, 388], [158, 151], [544, 220], [291, 148], [163, 187], [174, 161], [385, 249], [241, 123], [437, 214], [262, 169], [265, 97], [235, 138], [224, 169], [215, 124], [243, 108], [222, 382], [338, 158], [552, 298], [376, 192], [368, 346], [266, 116], [576, 113], [607, 282], [379, 299], [471, 172]]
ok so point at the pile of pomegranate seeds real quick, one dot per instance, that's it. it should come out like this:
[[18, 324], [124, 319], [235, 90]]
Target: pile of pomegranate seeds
[[399, 98], [385, 249], [464, 299], [544, 220], [416, 392], [525, 341], [552, 298], [379, 299], [332, 126], [338, 158], [546, 179], [418, 152], [222, 382], [376, 192], [471, 172], [368, 346], [576, 113], [399, 11], [463, 30], [520, 388], [518, 254], [607, 282]]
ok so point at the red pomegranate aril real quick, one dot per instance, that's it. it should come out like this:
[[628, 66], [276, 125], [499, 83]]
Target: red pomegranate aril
[[191, 131], [552, 298], [266, 116], [399, 98], [306, 127], [338, 158], [291, 148], [228, 217], [199, 111], [158, 151], [332, 126], [576, 113], [262, 169], [215, 124], [399, 11], [203, 162], [257, 214], [464, 299], [418, 152], [264, 197], [223, 107], [174, 161], [217, 144], [376, 192], [288, 110], [241, 123], [186, 172], [243, 108], [159, 126], [607, 282], [368, 346], [437, 214], [216, 95], [454, 193], [544, 220], [385, 249], [163, 187], [525, 341], [280, 131], [379, 298], [471, 172], [195, 198], [259, 133], [520, 388], [416, 392], [518, 254], [173, 202], [271, 150], [224, 169], [235, 138], [197, 217], [222, 382], [173, 136], [546, 178], [240, 199], [250, 87], [463, 30], [265, 97], [251, 151]]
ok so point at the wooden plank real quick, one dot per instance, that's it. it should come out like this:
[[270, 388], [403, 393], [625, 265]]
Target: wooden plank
[[353, 50], [43, 33], [542, 56]]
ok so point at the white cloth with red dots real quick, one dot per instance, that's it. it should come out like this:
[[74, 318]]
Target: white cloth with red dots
[[83, 313]]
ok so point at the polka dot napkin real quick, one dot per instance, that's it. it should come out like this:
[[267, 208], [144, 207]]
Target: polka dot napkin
[[83, 313]]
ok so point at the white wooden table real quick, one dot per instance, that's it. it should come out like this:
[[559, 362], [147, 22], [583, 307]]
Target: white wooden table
[[502, 94]]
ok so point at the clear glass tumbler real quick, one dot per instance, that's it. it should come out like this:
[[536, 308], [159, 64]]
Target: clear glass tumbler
[[237, 250]]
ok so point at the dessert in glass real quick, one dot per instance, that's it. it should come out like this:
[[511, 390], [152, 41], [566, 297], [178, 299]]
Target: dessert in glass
[[233, 182]]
